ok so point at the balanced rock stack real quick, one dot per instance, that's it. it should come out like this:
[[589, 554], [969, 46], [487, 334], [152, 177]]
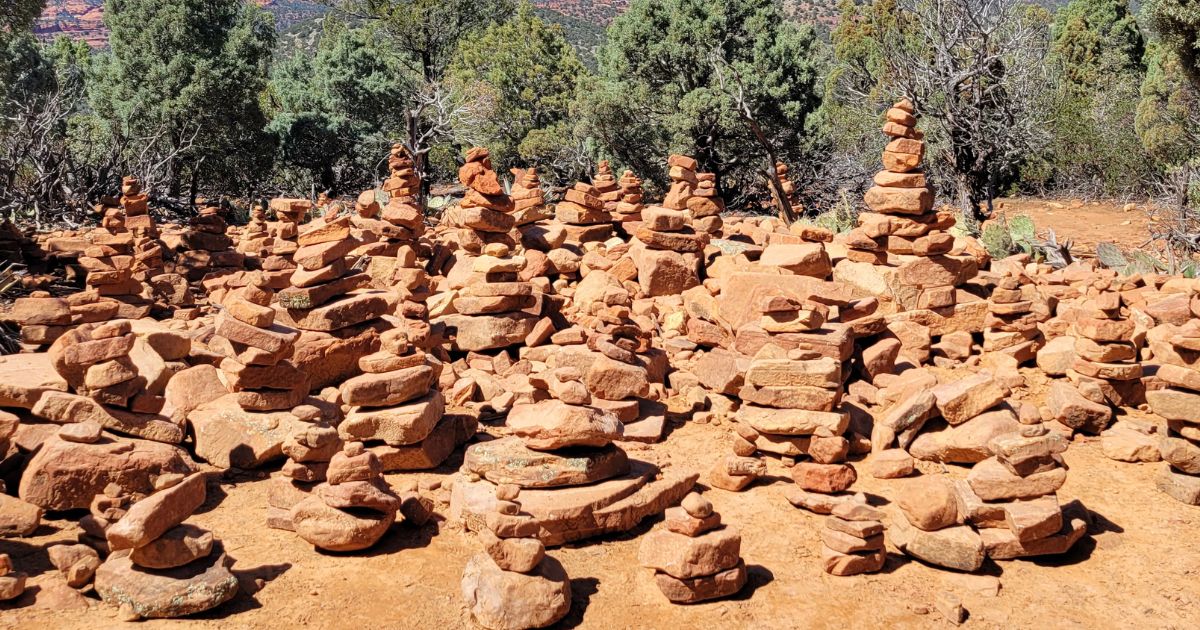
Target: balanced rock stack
[[317, 299], [1015, 308], [695, 558], [902, 232], [1106, 369], [397, 410], [290, 213], [204, 250], [309, 449], [395, 226], [619, 377], [529, 202], [353, 508], [682, 171], [667, 252], [584, 214], [629, 208], [514, 585], [485, 211], [110, 262], [256, 239], [705, 205], [788, 186], [147, 249], [852, 540], [1011, 496], [160, 567], [256, 366], [1177, 352], [104, 510], [119, 382]]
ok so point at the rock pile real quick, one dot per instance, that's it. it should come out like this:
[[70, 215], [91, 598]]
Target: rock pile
[[695, 558], [667, 252], [682, 173], [514, 585], [1176, 350], [529, 202], [852, 540], [12, 582], [119, 383], [352, 509], [629, 208], [789, 188], [1015, 310], [705, 205], [204, 250], [309, 449], [160, 567], [584, 214], [396, 408], [902, 233]]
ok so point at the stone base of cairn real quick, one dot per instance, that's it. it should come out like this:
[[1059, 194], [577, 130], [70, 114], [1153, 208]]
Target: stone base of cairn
[[514, 584], [1015, 309], [118, 382], [695, 558], [575, 483], [529, 202], [352, 509], [1177, 349], [667, 252], [902, 235], [309, 449], [160, 567], [852, 540], [583, 215]]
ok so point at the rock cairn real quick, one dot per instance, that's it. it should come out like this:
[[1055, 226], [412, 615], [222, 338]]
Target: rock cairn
[[488, 307], [309, 449], [852, 540], [514, 585], [1105, 369], [111, 259], [105, 509], [147, 250], [353, 508], [529, 202], [204, 249], [902, 233], [256, 352], [1011, 496], [323, 296], [118, 382], [629, 208], [667, 252], [682, 172], [607, 187], [584, 214], [788, 186], [1177, 352], [1015, 310], [161, 567], [705, 205], [397, 410], [255, 238], [695, 558]]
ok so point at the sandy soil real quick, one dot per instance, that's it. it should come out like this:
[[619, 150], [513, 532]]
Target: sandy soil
[[1138, 569], [1086, 223]]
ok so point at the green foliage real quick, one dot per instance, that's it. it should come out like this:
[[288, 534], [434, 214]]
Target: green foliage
[[532, 72], [182, 83], [668, 75], [1169, 110], [1178, 23], [997, 239], [335, 109]]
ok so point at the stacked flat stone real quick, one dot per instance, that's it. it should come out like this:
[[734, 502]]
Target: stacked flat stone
[[161, 567], [256, 352], [353, 508], [529, 202], [309, 449], [324, 294], [629, 207], [1015, 308], [1012, 496], [204, 250], [397, 410], [256, 238], [607, 186], [695, 558], [118, 382], [619, 376], [584, 214], [514, 585], [852, 540], [110, 261], [902, 231], [147, 249], [488, 309], [42, 318], [387, 232], [789, 187], [1105, 369], [792, 399], [682, 172], [104, 510], [276, 260], [705, 205], [933, 527], [667, 252], [1177, 353]]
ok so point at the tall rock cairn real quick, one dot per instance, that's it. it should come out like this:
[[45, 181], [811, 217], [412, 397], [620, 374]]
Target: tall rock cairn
[[529, 201], [706, 205], [902, 231], [1177, 353]]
